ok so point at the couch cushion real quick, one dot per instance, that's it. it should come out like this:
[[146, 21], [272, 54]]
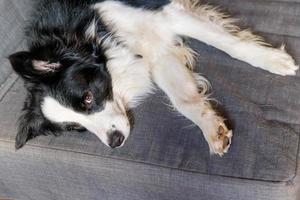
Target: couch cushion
[[50, 174], [263, 108]]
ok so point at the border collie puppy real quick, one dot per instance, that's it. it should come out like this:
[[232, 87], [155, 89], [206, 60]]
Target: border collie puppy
[[90, 61]]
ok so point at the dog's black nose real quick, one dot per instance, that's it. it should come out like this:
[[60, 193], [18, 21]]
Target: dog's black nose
[[116, 138]]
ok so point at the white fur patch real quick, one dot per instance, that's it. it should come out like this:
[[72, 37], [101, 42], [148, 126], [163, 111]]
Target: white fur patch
[[99, 123]]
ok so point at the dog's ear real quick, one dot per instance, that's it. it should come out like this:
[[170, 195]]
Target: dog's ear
[[29, 127], [30, 68], [32, 123]]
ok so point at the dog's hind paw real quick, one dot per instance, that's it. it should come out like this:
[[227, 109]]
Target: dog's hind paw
[[278, 61]]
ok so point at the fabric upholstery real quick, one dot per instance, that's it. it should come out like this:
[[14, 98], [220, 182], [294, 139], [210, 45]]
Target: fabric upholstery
[[12, 18], [47, 174], [161, 137]]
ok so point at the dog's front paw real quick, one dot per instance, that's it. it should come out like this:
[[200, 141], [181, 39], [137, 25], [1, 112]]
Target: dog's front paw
[[219, 140], [278, 61]]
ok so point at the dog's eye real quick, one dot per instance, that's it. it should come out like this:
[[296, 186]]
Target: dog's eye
[[88, 98]]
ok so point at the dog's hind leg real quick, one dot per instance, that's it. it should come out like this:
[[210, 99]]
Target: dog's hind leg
[[207, 24], [180, 84]]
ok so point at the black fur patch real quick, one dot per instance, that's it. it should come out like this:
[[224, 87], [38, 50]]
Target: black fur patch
[[62, 63]]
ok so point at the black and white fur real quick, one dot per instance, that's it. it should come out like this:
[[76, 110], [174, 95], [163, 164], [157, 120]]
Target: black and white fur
[[89, 62]]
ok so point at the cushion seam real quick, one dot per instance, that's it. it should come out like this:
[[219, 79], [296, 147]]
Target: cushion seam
[[297, 163]]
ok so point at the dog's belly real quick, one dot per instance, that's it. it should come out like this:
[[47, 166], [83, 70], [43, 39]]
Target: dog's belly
[[144, 32]]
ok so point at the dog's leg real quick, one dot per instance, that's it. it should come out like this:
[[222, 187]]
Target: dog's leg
[[206, 24], [180, 85]]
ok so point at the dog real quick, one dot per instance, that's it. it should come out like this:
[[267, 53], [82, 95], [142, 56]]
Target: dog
[[90, 61]]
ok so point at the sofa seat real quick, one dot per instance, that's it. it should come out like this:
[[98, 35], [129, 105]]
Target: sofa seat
[[262, 108]]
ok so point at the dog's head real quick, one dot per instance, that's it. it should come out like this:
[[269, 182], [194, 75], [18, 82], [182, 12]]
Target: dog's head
[[65, 88]]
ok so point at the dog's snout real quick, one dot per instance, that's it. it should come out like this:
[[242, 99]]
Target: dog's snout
[[116, 139]]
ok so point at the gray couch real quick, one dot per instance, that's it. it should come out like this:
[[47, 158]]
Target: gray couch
[[165, 158]]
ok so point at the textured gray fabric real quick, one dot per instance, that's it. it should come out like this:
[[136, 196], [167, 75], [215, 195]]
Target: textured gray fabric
[[265, 151], [45, 174], [11, 31], [12, 18], [263, 109]]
